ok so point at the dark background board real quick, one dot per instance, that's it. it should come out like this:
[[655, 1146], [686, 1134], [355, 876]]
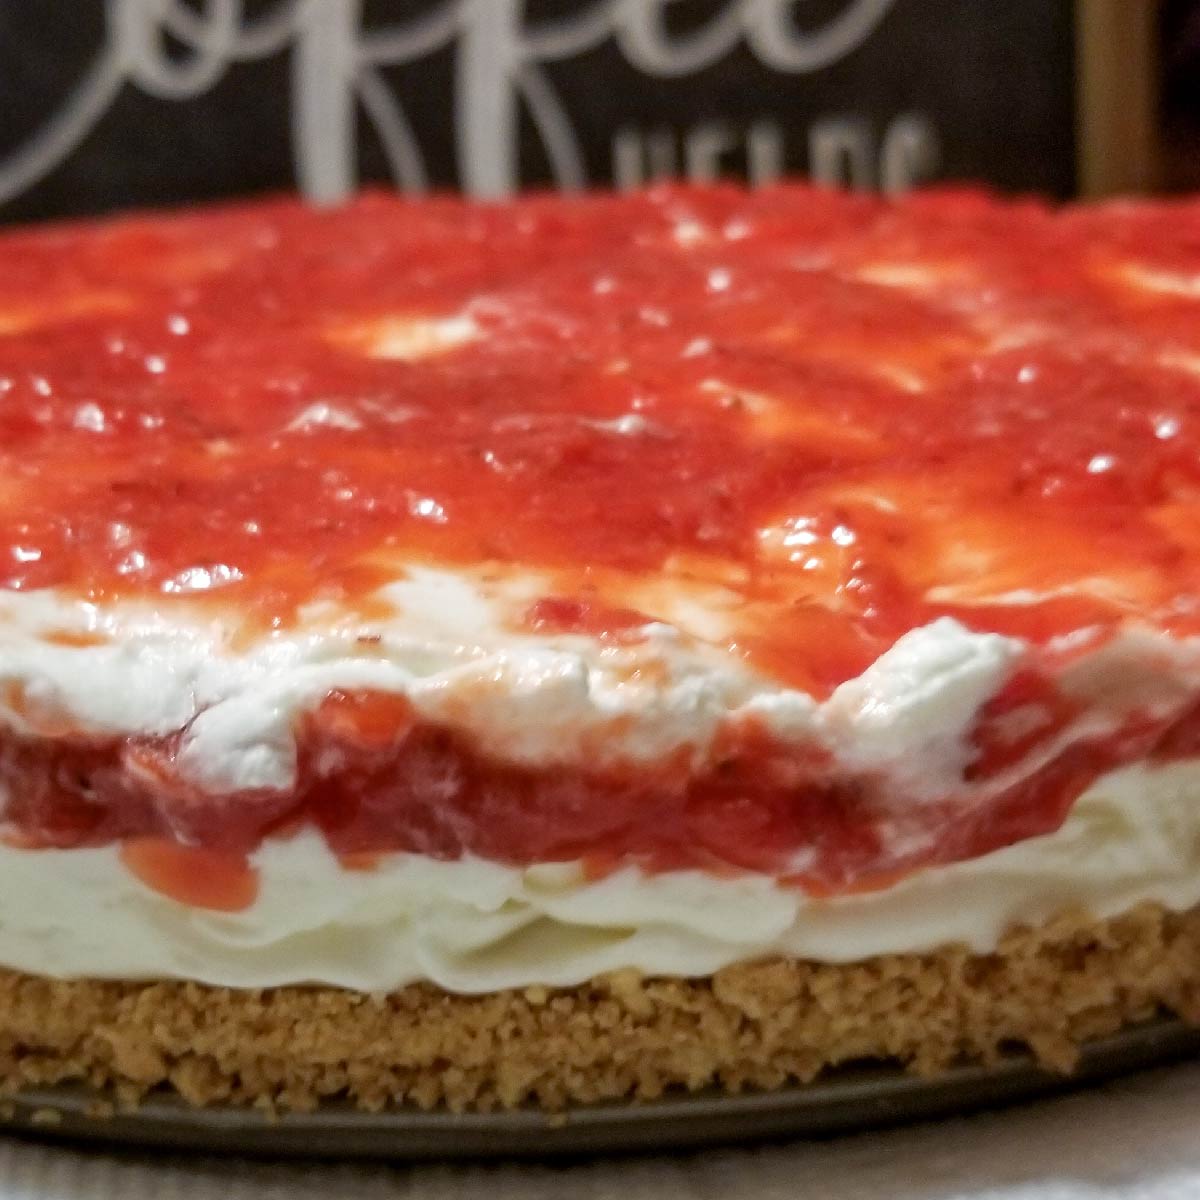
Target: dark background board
[[1180, 93], [101, 106]]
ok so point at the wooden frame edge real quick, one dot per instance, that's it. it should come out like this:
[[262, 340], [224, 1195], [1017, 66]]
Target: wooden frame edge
[[1116, 96]]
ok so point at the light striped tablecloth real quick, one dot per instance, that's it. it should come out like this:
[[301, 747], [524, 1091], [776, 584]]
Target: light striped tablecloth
[[1135, 1139]]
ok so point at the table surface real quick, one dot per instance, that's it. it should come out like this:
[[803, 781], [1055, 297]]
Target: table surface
[[1136, 1138]]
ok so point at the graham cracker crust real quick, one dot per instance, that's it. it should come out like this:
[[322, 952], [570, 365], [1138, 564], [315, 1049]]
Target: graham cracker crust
[[759, 1025]]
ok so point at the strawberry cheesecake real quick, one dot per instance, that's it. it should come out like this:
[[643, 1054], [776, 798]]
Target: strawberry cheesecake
[[568, 649]]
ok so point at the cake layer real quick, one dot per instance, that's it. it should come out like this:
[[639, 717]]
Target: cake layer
[[473, 926], [1051, 988]]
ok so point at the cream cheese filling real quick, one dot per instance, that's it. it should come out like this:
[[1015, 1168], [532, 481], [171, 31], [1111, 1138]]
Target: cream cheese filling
[[473, 926]]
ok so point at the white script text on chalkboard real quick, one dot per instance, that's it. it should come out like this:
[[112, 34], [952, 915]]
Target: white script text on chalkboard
[[500, 61]]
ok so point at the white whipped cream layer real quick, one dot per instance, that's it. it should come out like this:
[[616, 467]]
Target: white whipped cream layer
[[452, 643], [454, 647], [473, 926]]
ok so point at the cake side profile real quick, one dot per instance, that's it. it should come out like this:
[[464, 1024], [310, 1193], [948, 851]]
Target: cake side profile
[[570, 648]]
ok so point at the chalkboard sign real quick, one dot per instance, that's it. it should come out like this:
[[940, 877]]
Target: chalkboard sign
[[115, 103]]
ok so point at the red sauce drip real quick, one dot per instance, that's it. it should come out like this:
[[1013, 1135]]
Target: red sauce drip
[[192, 875], [849, 414]]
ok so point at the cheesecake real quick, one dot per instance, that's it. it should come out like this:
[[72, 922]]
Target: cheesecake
[[576, 648]]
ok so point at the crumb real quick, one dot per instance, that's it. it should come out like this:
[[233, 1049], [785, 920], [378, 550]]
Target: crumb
[[625, 1036]]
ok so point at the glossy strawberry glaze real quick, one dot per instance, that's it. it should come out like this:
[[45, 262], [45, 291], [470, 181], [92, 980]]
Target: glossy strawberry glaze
[[855, 415]]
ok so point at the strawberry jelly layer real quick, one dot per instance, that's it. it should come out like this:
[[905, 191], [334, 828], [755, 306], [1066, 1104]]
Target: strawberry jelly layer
[[851, 455], [372, 780], [850, 415]]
